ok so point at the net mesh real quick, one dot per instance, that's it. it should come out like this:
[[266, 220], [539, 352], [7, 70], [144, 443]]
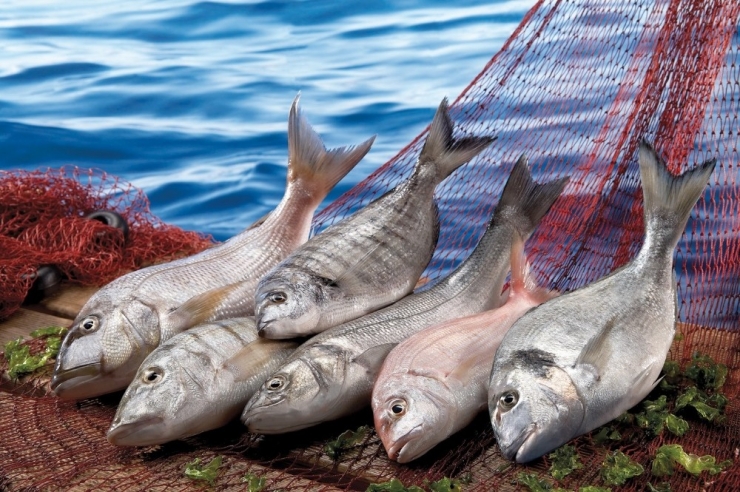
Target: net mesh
[[575, 88]]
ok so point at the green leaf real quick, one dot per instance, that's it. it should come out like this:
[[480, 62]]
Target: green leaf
[[705, 411], [533, 482], [565, 460], [345, 441], [254, 482], [671, 454], [605, 434], [593, 488], [195, 471], [394, 485], [617, 468], [446, 485], [661, 487], [691, 394], [656, 405], [49, 331], [676, 425], [707, 373]]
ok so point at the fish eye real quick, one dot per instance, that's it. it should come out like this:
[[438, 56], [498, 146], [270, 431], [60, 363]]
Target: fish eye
[[509, 399], [398, 408], [277, 297], [89, 324], [276, 383], [153, 375]]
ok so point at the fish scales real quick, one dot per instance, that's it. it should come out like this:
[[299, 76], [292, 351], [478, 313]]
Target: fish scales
[[582, 359], [332, 374], [188, 384], [370, 259], [130, 316]]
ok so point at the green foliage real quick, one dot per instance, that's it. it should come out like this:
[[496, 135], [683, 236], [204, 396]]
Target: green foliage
[[700, 401], [394, 485], [661, 487], [254, 482], [656, 416], [605, 434], [676, 425], [593, 488], [706, 373], [345, 441], [19, 357], [617, 468], [446, 485], [671, 454], [533, 483], [565, 460], [195, 471]]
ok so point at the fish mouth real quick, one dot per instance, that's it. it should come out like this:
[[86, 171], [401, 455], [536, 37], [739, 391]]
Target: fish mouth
[[396, 451], [126, 434], [512, 450], [74, 376], [262, 326], [251, 418]]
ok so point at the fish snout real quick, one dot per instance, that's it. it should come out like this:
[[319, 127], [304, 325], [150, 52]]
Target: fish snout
[[75, 382], [400, 449], [136, 431]]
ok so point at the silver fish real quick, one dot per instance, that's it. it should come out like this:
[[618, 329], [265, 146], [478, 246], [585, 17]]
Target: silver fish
[[435, 382], [370, 259], [332, 374], [582, 359], [194, 382], [129, 317]]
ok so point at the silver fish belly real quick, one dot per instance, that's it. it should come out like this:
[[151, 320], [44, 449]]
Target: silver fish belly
[[369, 259], [196, 381], [128, 318], [580, 360], [332, 374]]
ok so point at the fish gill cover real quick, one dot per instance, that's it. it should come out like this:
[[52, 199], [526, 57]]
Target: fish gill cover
[[575, 88]]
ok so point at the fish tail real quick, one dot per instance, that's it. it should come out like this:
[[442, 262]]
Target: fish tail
[[523, 280], [310, 162], [445, 152], [668, 199], [528, 200]]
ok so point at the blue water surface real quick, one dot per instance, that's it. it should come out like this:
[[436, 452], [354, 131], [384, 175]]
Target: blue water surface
[[189, 100]]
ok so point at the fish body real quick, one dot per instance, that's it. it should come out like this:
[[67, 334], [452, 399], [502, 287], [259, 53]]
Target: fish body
[[332, 374], [194, 382], [435, 382], [126, 319], [370, 259], [582, 359]]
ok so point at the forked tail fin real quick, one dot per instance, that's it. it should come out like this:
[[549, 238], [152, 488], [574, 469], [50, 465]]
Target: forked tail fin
[[524, 202], [319, 169], [445, 152], [522, 279], [668, 199]]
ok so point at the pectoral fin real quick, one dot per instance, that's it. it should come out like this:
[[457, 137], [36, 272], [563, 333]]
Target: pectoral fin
[[372, 359], [201, 308], [245, 363], [594, 357]]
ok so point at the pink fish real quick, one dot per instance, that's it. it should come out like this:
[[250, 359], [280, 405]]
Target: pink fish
[[434, 383]]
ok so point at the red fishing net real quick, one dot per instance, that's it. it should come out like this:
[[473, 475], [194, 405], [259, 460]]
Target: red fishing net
[[575, 88], [42, 222]]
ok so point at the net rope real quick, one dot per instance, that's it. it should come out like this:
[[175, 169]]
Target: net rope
[[575, 88]]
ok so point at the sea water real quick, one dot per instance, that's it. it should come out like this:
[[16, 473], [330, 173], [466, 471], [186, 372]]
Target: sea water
[[189, 100]]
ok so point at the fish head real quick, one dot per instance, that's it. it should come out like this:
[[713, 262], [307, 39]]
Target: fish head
[[105, 345], [412, 415], [167, 400], [533, 410], [288, 306], [302, 393]]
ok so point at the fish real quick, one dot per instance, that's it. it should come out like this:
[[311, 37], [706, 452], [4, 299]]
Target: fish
[[129, 317], [332, 374], [370, 259], [435, 382], [580, 360], [195, 382]]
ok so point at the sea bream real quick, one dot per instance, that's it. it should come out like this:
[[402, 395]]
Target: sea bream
[[125, 320], [582, 359], [435, 382], [332, 374], [370, 259], [195, 382]]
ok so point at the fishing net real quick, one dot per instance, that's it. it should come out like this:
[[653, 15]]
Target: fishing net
[[575, 88]]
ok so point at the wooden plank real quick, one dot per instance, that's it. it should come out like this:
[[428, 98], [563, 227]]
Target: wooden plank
[[24, 321], [69, 300]]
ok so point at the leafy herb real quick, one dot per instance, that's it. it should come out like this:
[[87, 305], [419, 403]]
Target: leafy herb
[[606, 433], [394, 485], [593, 488], [57, 331], [446, 485], [533, 483], [346, 440], [671, 454], [565, 460], [19, 357], [699, 400], [706, 373], [195, 471], [676, 425], [661, 487], [254, 482], [617, 468]]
